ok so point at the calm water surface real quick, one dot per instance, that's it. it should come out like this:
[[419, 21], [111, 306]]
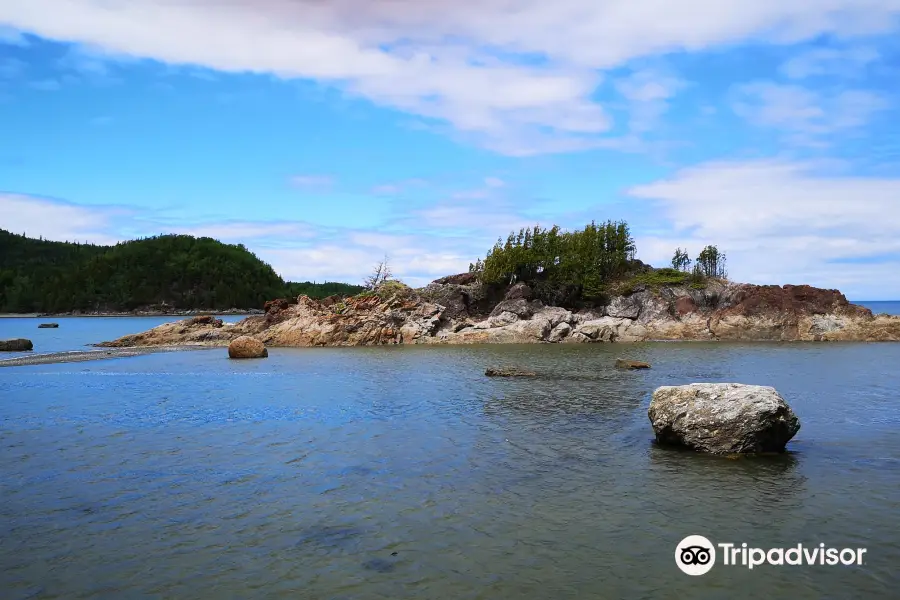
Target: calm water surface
[[75, 333], [405, 473], [890, 307]]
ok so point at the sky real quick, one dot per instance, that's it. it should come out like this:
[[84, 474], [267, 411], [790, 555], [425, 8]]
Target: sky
[[326, 134]]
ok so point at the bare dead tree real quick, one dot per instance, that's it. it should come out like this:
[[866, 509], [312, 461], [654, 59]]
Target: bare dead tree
[[380, 274]]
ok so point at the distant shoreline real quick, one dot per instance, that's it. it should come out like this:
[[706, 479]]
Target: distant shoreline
[[193, 313]]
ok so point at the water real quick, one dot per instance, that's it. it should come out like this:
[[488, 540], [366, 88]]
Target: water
[[891, 307], [405, 473], [75, 333]]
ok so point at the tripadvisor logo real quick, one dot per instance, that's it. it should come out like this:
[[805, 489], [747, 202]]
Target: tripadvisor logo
[[696, 555]]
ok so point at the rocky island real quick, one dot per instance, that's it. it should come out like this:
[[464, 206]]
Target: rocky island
[[549, 286], [460, 310]]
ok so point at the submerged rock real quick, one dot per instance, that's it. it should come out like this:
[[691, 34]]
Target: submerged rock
[[508, 372], [624, 363], [16, 345], [48, 325], [722, 418], [247, 347]]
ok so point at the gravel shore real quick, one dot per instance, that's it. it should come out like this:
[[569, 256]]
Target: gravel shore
[[86, 355]]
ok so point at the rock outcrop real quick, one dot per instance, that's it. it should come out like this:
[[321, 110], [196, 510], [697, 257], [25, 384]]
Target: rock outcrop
[[16, 345], [459, 310], [722, 418], [247, 347]]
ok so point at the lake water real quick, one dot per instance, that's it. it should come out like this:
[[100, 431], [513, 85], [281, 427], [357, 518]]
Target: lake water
[[405, 473], [890, 307]]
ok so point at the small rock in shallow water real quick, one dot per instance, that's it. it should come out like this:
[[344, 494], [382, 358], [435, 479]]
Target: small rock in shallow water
[[247, 347], [624, 363], [16, 345], [722, 418], [508, 372]]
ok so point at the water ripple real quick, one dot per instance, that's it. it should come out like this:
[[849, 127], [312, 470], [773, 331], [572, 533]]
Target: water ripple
[[404, 472]]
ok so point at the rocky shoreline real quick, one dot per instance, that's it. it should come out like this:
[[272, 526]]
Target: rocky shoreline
[[148, 313], [459, 310]]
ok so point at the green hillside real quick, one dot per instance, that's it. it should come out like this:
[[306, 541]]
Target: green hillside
[[179, 270]]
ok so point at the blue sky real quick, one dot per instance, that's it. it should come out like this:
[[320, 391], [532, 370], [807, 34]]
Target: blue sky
[[324, 135]]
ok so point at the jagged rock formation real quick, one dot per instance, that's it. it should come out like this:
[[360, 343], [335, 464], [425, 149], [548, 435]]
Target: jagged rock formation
[[458, 310]]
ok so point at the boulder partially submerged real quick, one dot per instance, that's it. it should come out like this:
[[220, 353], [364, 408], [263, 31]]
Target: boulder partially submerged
[[16, 345], [722, 418], [247, 347], [625, 363]]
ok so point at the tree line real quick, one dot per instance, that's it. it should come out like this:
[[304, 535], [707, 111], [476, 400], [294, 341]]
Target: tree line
[[585, 259], [583, 262], [180, 271], [710, 262]]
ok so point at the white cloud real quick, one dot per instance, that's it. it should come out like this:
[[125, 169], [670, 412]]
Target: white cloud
[[803, 114], [648, 93], [59, 221], [296, 250], [782, 222], [246, 231], [416, 261], [464, 63], [846, 62]]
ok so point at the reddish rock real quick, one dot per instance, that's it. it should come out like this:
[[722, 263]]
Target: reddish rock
[[276, 305], [796, 300], [684, 306], [206, 320]]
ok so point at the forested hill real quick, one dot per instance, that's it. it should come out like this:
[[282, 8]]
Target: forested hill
[[181, 271]]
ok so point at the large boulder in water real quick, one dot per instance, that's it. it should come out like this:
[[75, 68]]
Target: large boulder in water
[[722, 418], [16, 345], [247, 347]]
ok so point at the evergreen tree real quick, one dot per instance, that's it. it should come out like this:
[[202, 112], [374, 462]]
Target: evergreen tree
[[711, 263], [681, 261]]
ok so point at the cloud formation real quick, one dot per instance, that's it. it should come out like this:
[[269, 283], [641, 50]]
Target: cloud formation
[[782, 222], [498, 71], [805, 115], [60, 221]]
